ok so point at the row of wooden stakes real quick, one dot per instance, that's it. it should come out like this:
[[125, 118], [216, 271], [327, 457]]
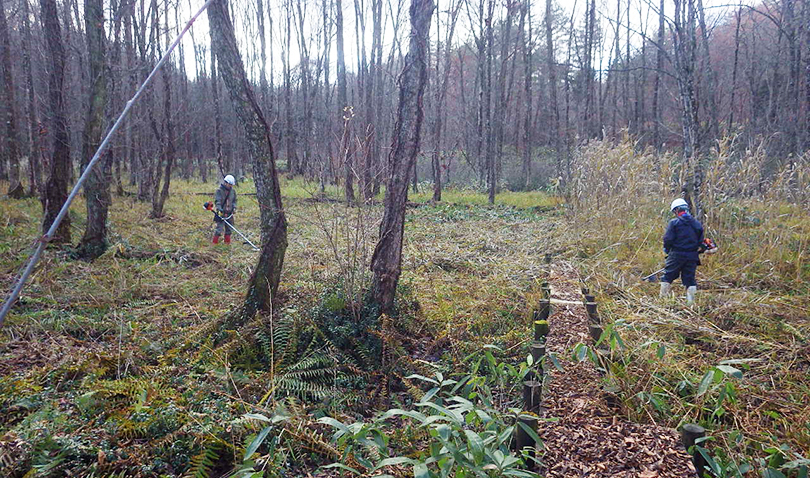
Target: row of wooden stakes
[[533, 385]]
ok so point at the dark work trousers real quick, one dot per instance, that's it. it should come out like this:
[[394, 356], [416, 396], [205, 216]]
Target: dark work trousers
[[222, 227], [678, 265]]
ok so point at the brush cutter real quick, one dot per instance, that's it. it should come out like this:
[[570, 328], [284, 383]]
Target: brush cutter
[[217, 218], [708, 247]]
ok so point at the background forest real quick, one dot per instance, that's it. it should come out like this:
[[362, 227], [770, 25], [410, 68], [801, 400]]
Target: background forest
[[514, 87], [412, 176]]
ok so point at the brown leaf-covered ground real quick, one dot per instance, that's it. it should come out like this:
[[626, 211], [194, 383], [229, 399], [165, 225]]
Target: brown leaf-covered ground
[[586, 437]]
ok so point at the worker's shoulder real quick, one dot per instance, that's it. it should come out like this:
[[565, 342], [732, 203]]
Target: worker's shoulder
[[673, 221]]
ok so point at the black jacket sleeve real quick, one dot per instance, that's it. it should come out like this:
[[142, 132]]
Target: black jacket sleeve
[[669, 236]]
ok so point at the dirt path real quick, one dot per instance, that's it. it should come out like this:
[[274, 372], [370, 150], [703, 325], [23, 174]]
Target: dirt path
[[588, 438]]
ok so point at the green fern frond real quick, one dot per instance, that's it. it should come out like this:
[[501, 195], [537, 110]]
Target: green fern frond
[[130, 429], [313, 440], [129, 387], [202, 463], [303, 390]]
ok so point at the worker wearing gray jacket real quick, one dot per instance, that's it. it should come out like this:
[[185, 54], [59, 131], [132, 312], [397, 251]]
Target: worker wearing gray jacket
[[225, 203]]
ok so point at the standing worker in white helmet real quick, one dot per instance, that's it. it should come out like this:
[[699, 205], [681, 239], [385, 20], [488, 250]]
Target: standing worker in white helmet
[[682, 241], [225, 203]]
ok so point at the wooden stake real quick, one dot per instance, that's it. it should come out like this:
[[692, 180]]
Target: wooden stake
[[532, 391], [545, 309], [596, 332], [541, 330], [690, 434], [538, 350], [524, 440], [591, 308]]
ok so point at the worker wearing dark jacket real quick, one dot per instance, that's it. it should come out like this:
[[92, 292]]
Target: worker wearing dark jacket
[[681, 244], [225, 203]]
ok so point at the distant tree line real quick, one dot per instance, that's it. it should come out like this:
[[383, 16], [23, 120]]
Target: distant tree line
[[514, 88]]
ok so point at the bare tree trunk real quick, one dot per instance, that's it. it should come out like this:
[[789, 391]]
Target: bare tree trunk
[[500, 116], [490, 145], [262, 53], [440, 94], [615, 65], [117, 96], [641, 84], [344, 110], [387, 259], [289, 126], [263, 284], [380, 119], [567, 77], [526, 45], [129, 66], [590, 97], [97, 186], [685, 46], [56, 187], [326, 122], [12, 148], [187, 166], [659, 68], [224, 169], [628, 115], [551, 63], [807, 76], [34, 145], [730, 126], [713, 126], [371, 89], [161, 192], [302, 165]]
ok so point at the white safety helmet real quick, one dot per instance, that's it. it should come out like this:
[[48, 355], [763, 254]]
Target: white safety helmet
[[230, 180], [675, 204]]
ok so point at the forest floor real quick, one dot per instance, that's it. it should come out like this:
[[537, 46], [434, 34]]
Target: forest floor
[[100, 371]]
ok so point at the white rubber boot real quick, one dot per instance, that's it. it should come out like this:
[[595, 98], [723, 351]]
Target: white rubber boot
[[665, 288], [690, 294]]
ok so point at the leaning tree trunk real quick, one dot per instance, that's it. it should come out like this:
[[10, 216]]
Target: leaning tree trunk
[[387, 259], [263, 283], [97, 186], [11, 150], [56, 187]]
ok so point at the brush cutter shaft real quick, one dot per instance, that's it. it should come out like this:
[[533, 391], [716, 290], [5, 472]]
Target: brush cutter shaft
[[237, 230]]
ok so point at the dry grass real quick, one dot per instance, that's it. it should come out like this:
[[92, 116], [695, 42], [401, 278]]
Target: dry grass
[[752, 305], [88, 339]]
